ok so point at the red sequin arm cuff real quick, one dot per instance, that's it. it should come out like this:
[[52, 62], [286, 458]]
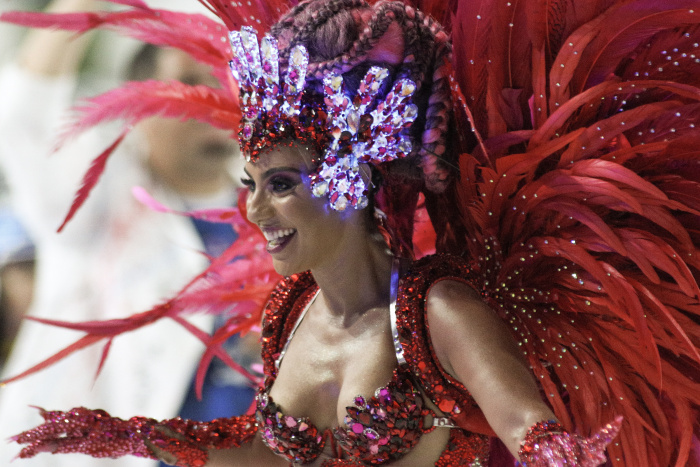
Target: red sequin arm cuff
[[97, 434], [547, 444]]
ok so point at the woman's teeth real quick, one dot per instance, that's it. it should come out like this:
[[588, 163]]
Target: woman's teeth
[[275, 237]]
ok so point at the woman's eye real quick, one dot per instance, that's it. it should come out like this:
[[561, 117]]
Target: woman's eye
[[281, 185], [248, 183]]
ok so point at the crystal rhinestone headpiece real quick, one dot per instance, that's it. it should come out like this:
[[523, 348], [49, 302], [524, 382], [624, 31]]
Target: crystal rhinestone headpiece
[[346, 131]]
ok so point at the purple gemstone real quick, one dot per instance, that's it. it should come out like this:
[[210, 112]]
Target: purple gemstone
[[247, 132]]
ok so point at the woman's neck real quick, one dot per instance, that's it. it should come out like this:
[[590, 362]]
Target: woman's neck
[[357, 281]]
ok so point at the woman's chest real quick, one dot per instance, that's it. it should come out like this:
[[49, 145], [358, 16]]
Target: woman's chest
[[321, 374], [382, 424]]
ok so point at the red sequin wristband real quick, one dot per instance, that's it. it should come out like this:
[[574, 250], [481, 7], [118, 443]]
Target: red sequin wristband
[[547, 444]]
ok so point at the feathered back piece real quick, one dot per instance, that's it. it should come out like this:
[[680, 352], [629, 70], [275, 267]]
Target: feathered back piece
[[579, 202]]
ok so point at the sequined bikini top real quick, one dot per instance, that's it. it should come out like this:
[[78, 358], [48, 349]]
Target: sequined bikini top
[[377, 429]]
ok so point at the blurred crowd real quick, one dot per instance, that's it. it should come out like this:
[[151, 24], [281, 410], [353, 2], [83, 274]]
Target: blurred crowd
[[116, 257]]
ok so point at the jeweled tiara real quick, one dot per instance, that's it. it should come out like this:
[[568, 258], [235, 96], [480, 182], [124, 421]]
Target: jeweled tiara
[[346, 131]]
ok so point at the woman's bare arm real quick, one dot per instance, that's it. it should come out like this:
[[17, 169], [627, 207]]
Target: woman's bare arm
[[475, 346]]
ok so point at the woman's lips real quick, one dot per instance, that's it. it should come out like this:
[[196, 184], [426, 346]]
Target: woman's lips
[[277, 239]]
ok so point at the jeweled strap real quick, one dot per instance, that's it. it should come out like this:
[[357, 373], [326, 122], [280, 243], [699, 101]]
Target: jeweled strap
[[394, 290], [278, 360], [286, 301]]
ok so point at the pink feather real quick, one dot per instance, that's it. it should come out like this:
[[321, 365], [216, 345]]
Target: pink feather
[[137, 100], [80, 344], [90, 179], [241, 279]]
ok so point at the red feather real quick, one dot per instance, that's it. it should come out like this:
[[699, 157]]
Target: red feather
[[138, 100], [103, 358], [81, 343], [90, 179], [201, 37], [470, 36], [612, 165], [79, 22], [626, 26], [131, 3], [608, 89], [257, 14]]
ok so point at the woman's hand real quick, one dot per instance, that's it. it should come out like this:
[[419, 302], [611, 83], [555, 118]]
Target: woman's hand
[[95, 433], [48, 52], [92, 432], [163, 455]]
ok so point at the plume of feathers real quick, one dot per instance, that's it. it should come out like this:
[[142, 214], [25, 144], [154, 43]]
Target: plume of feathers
[[236, 284], [581, 206], [136, 101]]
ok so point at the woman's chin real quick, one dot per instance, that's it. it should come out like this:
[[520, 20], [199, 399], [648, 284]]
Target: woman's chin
[[285, 268]]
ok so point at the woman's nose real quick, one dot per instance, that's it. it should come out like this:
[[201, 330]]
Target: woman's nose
[[258, 206]]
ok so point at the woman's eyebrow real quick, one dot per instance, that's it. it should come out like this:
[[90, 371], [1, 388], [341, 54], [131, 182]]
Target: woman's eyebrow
[[275, 170]]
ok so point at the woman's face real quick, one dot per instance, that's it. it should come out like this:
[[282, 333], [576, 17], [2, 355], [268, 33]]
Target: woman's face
[[302, 231]]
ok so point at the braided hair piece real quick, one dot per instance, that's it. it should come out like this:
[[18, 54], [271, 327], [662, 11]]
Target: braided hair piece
[[361, 29]]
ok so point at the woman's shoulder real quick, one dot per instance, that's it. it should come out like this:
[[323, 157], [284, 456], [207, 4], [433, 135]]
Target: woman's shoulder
[[439, 282], [440, 274], [446, 284]]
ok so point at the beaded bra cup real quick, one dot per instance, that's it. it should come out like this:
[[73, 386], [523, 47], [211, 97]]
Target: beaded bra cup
[[377, 429]]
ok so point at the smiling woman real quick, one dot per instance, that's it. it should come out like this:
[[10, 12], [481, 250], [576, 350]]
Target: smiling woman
[[538, 325]]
